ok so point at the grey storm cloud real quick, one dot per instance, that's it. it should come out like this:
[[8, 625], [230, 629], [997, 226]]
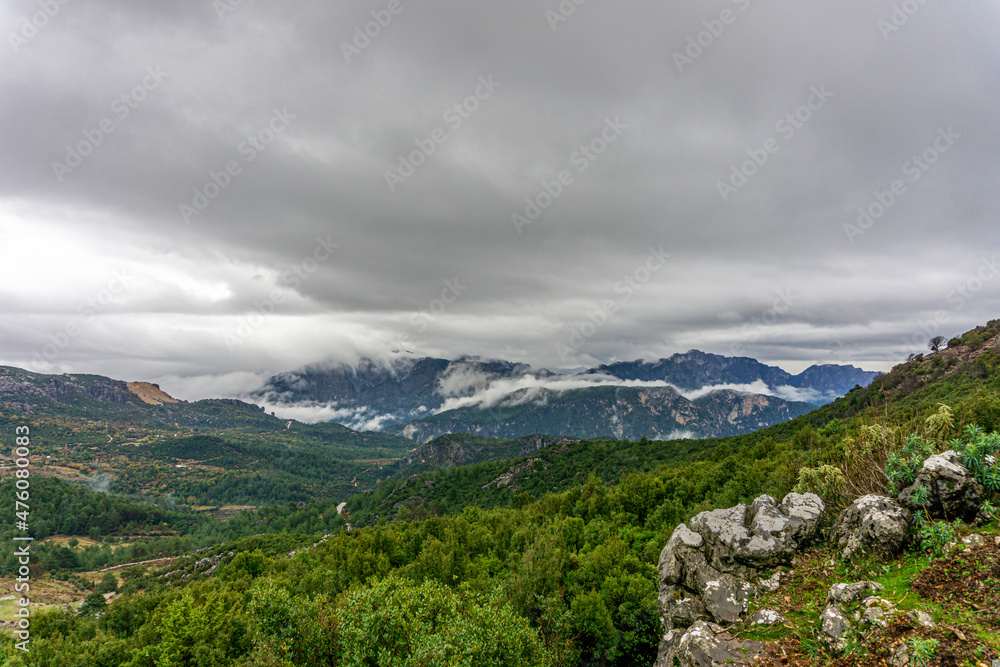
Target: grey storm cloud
[[281, 183]]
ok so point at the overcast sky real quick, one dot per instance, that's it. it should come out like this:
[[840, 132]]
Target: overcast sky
[[181, 166]]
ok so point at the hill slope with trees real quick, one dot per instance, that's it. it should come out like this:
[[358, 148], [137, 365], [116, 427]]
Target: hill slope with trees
[[535, 576]]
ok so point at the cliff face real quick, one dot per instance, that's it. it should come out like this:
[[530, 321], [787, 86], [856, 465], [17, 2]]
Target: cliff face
[[614, 413], [150, 394], [32, 391]]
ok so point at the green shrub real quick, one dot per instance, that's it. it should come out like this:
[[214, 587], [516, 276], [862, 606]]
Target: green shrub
[[394, 623], [826, 481], [902, 467], [289, 631], [941, 423], [937, 535], [923, 650]]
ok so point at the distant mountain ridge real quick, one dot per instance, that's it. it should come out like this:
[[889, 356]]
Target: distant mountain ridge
[[104, 399], [695, 369], [427, 397], [403, 389]]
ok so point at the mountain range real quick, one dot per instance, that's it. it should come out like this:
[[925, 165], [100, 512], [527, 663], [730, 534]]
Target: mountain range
[[695, 394]]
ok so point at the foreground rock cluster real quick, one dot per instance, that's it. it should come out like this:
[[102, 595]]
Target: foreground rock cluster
[[881, 524], [710, 569], [848, 604], [708, 564]]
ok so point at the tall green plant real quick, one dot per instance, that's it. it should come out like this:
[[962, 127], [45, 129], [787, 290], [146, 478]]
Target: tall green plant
[[902, 467], [980, 454]]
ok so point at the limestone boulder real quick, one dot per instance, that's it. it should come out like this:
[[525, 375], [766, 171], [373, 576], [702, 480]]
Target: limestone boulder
[[741, 539], [766, 617], [834, 629], [726, 597], [706, 645], [848, 594], [953, 493], [871, 523]]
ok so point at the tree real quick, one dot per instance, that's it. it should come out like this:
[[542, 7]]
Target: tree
[[206, 627], [290, 630], [93, 604], [935, 343], [395, 622], [108, 583]]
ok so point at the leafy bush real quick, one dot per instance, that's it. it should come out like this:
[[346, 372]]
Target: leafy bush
[[983, 409], [937, 535], [396, 623], [206, 627], [940, 424], [826, 481], [289, 631]]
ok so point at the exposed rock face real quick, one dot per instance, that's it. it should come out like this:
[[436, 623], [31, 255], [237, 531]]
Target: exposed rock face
[[874, 523], [208, 565], [742, 540], [507, 477], [453, 450], [695, 369], [705, 645], [705, 566], [953, 492], [150, 393], [604, 411]]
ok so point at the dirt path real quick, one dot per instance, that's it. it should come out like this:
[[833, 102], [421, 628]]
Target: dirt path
[[165, 561]]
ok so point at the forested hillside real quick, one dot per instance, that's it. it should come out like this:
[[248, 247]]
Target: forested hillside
[[98, 431]]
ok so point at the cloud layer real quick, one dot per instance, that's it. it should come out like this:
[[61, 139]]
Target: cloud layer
[[200, 196], [470, 389]]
